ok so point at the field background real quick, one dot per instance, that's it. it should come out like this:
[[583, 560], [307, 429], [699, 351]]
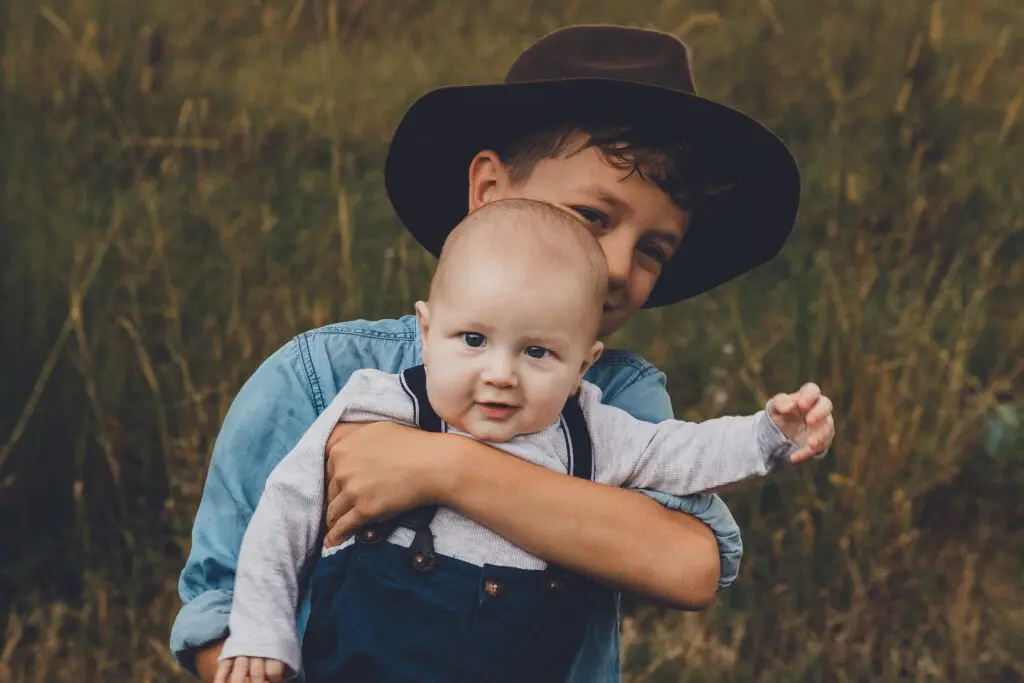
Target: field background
[[186, 185]]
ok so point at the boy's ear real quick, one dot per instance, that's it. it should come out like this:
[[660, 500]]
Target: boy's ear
[[423, 320], [595, 353], [487, 179]]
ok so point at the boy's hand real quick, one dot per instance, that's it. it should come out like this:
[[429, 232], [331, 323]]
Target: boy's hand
[[250, 670], [378, 470], [806, 419]]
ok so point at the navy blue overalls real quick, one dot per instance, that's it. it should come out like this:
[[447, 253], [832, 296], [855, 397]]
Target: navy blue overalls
[[382, 613]]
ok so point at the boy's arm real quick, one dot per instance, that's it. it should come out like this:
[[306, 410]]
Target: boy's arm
[[611, 534], [647, 399], [615, 535], [267, 418], [284, 530], [677, 559]]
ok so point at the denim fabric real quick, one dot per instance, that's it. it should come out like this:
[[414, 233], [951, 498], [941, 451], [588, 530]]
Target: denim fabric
[[376, 618]]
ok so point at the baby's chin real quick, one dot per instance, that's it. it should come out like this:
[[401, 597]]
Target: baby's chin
[[490, 431], [496, 431]]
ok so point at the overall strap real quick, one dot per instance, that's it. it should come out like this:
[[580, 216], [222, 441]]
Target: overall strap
[[581, 451], [414, 383], [581, 465]]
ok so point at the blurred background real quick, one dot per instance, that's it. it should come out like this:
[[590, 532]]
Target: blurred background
[[185, 185]]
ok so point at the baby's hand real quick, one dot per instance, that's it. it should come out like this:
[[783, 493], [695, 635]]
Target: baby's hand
[[250, 670], [806, 419]]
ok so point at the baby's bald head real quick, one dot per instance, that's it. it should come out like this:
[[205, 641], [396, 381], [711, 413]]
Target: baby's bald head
[[513, 318], [536, 240]]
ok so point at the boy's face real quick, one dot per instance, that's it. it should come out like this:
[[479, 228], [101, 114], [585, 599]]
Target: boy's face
[[504, 347], [636, 223]]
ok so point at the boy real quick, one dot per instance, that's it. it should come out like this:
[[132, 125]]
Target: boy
[[508, 334], [595, 119]]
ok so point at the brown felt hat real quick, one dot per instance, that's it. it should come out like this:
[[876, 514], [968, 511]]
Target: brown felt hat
[[620, 74]]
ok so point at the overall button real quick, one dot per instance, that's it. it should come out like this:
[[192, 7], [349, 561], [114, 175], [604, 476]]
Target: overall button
[[368, 536], [493, 588], [423, 562]]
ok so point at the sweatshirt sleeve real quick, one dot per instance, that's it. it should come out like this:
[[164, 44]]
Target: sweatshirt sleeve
[[285, 528]]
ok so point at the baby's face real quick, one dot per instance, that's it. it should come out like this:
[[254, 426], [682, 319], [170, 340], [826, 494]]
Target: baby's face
[[504, 347]]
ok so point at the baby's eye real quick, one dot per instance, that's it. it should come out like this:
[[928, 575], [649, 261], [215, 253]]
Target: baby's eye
[[473, 339], [537, 352]]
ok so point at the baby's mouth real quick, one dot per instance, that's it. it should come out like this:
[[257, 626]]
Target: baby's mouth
[[495, 410]]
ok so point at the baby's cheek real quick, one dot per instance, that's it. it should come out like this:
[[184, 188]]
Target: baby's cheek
[[547, 407], [447, 397]]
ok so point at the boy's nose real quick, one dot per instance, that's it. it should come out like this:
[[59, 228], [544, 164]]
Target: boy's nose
[[618, 252]]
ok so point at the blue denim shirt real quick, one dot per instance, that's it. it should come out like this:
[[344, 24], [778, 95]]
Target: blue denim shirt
[[284, 397]]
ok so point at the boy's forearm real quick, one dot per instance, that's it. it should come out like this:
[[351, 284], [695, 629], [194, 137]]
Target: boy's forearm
[[615, 535], [206, 661]]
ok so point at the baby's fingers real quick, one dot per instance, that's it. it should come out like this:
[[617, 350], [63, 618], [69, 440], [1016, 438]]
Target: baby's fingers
[[820, 411], [784, 404], [808, 396], [256, 670], [240, 671], [223, 669], [821, 435], [275, 671]]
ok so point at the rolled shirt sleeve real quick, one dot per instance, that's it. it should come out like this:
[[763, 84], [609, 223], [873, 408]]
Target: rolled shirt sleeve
[[647, 398]]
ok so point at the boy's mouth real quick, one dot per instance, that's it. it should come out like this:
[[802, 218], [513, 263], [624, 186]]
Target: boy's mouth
[[494, 410]]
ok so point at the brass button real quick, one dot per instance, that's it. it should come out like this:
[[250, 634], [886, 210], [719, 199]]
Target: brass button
[[368, 536], [423, 563], [493, 588], [555, 585]]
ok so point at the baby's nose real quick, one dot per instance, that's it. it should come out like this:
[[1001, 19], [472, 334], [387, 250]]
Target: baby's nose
[[500, 373]]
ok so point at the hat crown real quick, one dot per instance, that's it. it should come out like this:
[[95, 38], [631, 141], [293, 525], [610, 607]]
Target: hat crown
[[612, 52]]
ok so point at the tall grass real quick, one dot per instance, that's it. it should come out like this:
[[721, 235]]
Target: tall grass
[[187, 185]]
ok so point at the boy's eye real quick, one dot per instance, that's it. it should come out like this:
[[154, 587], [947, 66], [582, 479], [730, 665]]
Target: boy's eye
[[590, 215], [473, 339], [537, 352], [655, 252]]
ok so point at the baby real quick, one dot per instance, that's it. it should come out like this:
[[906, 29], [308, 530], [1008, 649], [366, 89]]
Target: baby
[[509, 329]]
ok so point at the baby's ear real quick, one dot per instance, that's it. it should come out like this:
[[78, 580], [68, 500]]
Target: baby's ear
[[595, 353], [423, 318]]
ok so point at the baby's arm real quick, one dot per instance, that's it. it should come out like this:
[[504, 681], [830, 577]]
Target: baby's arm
[[681, 458], [284, 531]]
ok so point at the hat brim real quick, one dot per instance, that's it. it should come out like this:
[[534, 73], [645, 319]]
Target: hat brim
[[426, 172]]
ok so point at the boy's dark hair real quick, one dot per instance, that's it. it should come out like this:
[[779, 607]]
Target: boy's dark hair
[[671, 164]]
